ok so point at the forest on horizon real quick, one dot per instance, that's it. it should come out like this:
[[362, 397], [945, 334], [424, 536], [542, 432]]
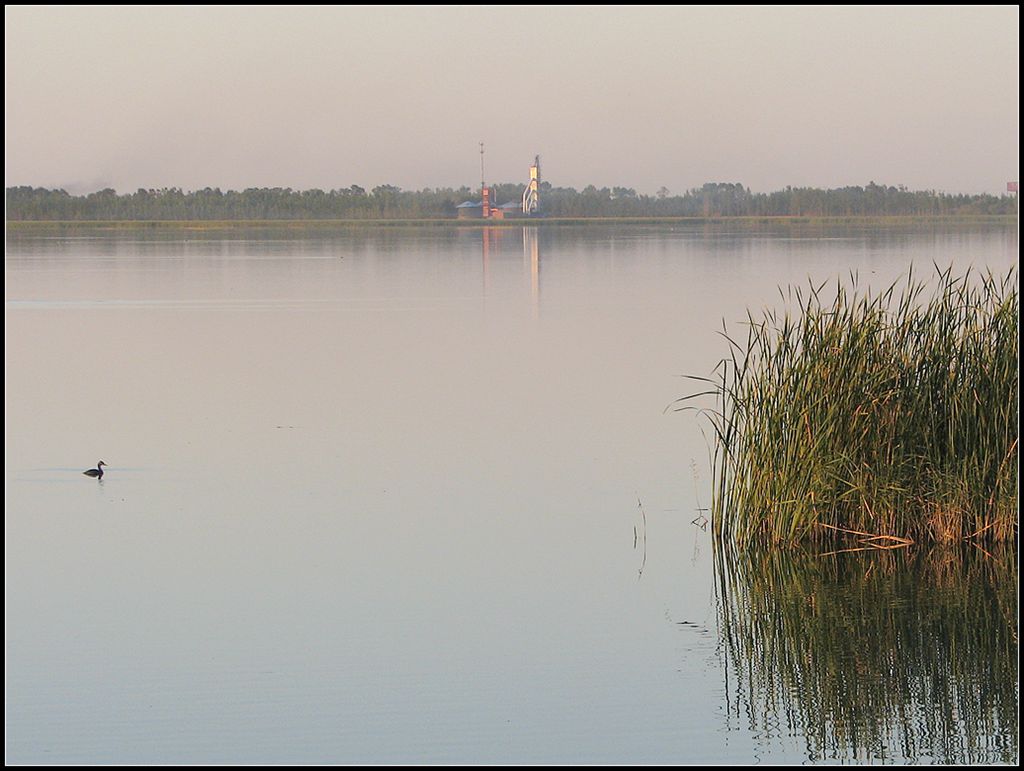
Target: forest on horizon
[[713, 199]]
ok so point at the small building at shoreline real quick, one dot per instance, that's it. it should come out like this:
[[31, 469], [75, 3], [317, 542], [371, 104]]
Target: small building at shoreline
[[469, 210], [486, 209]]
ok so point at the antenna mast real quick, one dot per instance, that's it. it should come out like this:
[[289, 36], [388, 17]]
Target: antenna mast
[[482, 178]]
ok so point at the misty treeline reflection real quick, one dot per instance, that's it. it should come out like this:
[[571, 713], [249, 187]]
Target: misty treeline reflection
[[889, 655], [713, 199]]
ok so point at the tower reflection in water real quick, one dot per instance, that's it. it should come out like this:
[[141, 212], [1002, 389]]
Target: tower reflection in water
[[531, 261], [491, 240]]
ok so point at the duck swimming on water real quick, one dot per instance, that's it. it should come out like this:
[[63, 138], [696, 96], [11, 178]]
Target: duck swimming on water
[[96, 472]]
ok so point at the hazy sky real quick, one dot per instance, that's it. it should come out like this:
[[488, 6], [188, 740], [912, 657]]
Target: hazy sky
[[643, 97]]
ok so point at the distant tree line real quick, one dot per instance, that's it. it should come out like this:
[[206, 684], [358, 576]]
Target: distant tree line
[[714, 199]]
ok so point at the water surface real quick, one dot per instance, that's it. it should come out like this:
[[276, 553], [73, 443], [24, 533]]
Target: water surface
[[411, 495]]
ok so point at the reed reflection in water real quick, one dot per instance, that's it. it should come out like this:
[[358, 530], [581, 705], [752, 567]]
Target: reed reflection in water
[[900, 656]]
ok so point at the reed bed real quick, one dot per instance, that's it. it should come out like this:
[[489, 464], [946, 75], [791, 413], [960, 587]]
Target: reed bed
[[885, 418]]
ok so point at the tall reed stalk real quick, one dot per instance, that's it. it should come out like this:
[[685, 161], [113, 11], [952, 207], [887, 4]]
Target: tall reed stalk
[[893, 415]]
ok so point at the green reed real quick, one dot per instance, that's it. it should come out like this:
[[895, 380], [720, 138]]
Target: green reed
[[905, 655], [892, 414]]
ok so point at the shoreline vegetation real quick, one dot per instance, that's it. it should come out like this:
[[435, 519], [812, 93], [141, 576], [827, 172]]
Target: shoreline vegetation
[[326, 225], [870, 421], [386, 203]]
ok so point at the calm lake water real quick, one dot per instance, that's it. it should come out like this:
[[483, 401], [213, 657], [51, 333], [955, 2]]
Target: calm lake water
[[411, 495]]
